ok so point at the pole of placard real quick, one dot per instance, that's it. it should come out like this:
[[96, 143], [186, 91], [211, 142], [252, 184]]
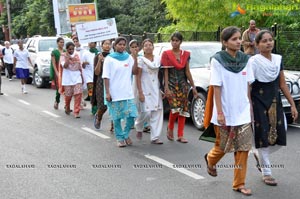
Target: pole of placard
[[96, 9]]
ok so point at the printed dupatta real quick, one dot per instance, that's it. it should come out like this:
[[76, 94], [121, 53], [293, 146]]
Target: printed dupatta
[[169, 59]]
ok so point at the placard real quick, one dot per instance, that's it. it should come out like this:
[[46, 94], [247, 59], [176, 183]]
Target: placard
[[97, 30]]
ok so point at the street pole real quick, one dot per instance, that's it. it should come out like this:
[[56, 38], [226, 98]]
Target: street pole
[[8, 19]]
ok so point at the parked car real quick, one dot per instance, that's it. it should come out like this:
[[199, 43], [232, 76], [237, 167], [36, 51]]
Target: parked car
[[199, 66], [40, 54], [201, 53], [293, 83]]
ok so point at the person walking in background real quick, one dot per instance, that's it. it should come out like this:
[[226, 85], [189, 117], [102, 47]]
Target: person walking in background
[[55, 69], [118, 68], [269, 119], [176, 76], [21, 59], [1, 68], [98, 98], [248, 39], [231, 116], [150, 105], [72, 78], [88, 70], [8, 59]]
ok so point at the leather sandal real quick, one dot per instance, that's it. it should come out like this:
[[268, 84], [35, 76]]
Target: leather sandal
[[244, 191], [170, 135], [269, 180], [211, 171]]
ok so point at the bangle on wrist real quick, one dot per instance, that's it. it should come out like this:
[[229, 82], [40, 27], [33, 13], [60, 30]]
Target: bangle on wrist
[[220, 113]]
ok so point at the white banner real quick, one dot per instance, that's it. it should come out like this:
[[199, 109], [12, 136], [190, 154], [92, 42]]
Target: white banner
[[97, 30]]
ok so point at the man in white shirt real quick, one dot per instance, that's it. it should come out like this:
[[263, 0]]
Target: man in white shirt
[[88, 70], [8, 58]]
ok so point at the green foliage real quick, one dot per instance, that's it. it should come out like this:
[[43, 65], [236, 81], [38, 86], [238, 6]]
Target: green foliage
[[207, 15], [30, 18]]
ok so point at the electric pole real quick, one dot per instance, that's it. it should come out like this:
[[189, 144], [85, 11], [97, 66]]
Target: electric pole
[[8, 19]]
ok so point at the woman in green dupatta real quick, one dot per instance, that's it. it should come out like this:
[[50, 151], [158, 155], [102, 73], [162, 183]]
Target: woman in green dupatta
[[55, 70], [231, 114]]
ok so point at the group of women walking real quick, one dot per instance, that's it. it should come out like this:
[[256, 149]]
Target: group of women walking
[[245, 98], [244, 95], [128, 86]]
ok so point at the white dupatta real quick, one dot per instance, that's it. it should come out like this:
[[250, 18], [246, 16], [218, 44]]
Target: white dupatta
[[265, 70], [151, 65]]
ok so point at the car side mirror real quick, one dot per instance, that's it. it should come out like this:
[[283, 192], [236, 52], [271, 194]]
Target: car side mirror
[[32, 49]]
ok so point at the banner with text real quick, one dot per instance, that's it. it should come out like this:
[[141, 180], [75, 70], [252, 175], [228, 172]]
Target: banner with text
[[97, 30], [82, 12]]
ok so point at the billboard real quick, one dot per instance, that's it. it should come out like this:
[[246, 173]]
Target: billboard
[[84, 12]]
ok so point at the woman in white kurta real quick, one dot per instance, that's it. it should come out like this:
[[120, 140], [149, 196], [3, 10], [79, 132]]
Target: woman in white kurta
[[150, 100], [71, 78]]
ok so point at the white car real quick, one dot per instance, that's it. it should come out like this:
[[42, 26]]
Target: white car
[[40, 49]]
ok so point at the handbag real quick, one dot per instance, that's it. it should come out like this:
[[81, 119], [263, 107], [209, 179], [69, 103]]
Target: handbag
[[208, 134]]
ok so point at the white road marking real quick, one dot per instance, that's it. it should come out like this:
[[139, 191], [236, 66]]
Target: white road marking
[[24, 102], [170, 165], [95, 133], [294, 125], [51, 114]]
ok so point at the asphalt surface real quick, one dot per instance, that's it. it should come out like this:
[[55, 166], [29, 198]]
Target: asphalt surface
[[46, 154]]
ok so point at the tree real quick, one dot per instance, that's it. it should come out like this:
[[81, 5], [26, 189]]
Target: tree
[[207, 15]]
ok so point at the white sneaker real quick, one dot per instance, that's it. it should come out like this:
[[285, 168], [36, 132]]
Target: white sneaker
[[10, 79], [24, 91]]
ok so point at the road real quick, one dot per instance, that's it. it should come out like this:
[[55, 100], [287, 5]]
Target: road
[[46, 154]]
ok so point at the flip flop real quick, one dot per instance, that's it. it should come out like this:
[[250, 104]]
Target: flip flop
[[269, 180], [182, 140], [244, 191], [157, 141]]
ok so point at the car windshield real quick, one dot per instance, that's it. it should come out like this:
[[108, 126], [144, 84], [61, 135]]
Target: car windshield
[[200, 55], [47, 45]]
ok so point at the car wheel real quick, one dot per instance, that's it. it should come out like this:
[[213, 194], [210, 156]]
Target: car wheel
[[38, 81], [197, 111]]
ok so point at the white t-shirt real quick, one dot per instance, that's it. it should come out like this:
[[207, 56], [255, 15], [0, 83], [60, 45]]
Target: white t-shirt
[[88, 71], [8, 56], [22, 58], [234, 94], [119, 74]]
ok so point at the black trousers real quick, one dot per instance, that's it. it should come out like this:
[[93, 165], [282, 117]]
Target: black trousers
[[9, 70]]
